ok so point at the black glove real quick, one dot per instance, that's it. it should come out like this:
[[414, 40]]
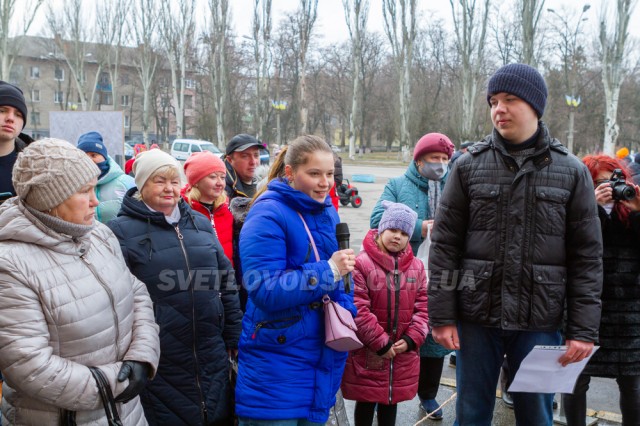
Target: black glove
[[138, 374]]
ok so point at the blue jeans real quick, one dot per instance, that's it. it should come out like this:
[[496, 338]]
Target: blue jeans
[[479, 359], [289, 422]]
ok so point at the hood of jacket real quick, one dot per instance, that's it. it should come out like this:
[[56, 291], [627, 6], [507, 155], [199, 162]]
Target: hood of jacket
[[279, 189], [19, 225], [114, 172], [138, 209], [385, 260]]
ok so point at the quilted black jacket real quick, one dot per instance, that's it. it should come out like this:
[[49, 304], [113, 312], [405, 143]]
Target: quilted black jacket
[[511, 247], [192, 286]]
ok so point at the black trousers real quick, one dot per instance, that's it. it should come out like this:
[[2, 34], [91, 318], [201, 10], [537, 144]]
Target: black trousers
[[364, 411], [430, 373], [575, 405]]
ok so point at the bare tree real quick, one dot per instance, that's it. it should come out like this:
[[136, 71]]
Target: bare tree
[[305, 19], [356, 15], [217, 39], [10, 48], [145, 17], [569, 48], [400, 27], [613, 48], [177, 26], [69, 28], [470, 19], [530, 11], [111, 22], [261, 55]]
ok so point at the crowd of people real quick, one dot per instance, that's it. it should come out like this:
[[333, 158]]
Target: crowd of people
[[163, 285]]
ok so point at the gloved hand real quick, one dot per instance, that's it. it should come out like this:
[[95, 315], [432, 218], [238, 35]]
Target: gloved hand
[[138, 374]]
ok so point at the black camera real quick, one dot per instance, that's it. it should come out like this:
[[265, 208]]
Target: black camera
[[621, 191]]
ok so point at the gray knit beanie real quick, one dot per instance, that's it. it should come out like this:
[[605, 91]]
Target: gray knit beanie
[[521, 80], [397, 216], [49, 171]]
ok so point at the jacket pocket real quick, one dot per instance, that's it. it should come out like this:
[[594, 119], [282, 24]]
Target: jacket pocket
[[551, 210], [474, 289], [484, 206], [279, 332], [547, 296], [374, 362]]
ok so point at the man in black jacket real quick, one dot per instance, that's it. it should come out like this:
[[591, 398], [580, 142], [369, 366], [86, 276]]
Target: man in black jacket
[[515, 239], [13, 118], [242, 157]]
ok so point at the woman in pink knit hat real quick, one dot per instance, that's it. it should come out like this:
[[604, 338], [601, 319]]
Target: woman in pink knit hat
[[204, 192]]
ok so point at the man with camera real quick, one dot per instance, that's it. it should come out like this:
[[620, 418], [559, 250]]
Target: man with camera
[[516, 237]]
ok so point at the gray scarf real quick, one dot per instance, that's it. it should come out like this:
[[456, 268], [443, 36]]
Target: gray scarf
[[58, 225], [434, 197]]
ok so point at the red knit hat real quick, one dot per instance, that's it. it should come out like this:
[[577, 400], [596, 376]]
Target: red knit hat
[[201, 165], [433, 142]]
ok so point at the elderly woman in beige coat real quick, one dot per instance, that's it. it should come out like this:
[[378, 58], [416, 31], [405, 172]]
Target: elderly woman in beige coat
[[67, 299]]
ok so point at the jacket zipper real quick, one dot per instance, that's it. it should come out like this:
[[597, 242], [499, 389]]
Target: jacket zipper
[[113, 307], [203, 407], [263, 323], [396, 283]]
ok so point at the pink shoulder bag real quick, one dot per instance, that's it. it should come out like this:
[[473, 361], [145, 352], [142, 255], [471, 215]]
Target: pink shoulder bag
[[339, 326]]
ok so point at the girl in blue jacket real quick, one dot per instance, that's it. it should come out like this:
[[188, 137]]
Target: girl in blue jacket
[[286, 373]]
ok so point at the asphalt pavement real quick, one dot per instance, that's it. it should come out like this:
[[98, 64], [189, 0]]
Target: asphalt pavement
[[603, 393]]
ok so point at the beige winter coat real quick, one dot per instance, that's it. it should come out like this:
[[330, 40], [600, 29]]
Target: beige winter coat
[[66, 304]]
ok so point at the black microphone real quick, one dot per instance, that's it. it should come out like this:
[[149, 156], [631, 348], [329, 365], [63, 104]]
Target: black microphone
[[342, 235]]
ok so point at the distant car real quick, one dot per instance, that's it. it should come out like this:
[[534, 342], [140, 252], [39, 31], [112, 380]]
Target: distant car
[[335, 148], [264, 156], [181, 149]]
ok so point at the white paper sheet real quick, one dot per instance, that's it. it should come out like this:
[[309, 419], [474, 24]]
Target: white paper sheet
[[541, 372]]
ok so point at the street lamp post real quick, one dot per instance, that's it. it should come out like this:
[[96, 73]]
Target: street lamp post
[[570, 50], [278, 106]]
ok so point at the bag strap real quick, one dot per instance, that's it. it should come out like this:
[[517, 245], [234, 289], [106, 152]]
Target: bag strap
[[313, 243], [109, 403]]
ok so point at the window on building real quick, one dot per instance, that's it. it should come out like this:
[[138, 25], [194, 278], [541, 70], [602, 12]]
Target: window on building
[[34, 72], [124, 78], [188, 102], [190, 84], [35, 95], [16, 75], [104, 79], [58, 74], [124, 100], [35, 118], [58, 97], [106, 98], [126, 121]]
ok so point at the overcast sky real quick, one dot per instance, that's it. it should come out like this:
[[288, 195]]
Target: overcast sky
[[331, 26]]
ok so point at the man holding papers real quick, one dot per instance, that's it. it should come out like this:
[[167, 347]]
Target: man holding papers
[[517, 237]]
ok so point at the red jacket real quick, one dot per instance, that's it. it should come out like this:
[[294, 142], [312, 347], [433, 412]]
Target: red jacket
[[221, 220], [367, 376]]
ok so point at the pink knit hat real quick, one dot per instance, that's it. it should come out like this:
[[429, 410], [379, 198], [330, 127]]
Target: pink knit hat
[[433, 142], [201, 165]]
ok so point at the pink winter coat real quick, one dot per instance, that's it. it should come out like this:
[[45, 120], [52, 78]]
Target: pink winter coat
[[391, 305]]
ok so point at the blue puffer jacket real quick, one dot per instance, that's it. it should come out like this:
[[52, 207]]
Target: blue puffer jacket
[[285, 369], [192, 286], [110, 191]]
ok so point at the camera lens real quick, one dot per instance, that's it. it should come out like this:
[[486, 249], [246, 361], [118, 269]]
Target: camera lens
[[628, 193]]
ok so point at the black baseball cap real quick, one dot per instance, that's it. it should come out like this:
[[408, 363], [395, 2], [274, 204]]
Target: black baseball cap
[[241, 142]]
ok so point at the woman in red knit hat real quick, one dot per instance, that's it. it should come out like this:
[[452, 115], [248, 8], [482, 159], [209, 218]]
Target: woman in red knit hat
[[204, 192]]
